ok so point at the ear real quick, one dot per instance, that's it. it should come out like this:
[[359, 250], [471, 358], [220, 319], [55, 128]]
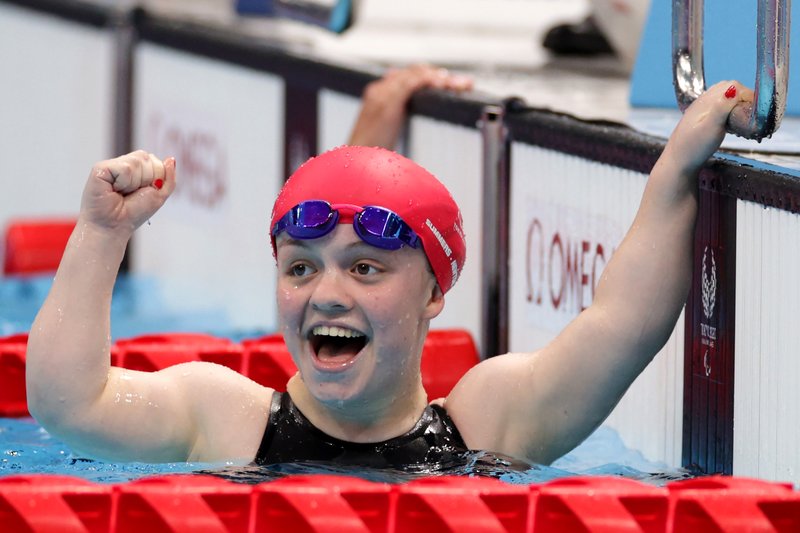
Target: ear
[[435, 304]]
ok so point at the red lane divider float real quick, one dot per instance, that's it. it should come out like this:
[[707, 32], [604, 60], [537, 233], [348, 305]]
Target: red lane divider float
[[600, 504], [54, 504], [734, 504], [35, 246], [322, 503], [180, 502], [462, 504]]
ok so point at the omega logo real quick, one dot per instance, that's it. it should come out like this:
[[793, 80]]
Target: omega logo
[[562, 271], [202, 161]]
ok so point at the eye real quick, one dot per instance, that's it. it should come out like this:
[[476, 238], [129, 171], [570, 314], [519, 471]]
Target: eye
[[300, 270], [365, 269]]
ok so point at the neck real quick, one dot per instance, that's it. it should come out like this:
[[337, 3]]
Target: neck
[[359, 420]]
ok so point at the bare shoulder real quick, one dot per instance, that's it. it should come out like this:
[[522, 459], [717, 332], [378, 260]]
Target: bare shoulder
[[485, 400], [230, 410], [206, 374]]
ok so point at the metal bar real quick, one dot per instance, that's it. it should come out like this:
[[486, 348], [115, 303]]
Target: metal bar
[[687, 51], [122, 24], [494, 289], [123, 27], [763, 117]]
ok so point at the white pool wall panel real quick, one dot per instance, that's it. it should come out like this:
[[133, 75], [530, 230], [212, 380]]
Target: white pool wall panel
[[209, 244], [767, 375], [337, 116], [585, 205], [56, 111], [453, 154]]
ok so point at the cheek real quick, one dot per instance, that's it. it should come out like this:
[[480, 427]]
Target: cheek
[[382, 309], [397, 319], [290, 305], [284, 296]]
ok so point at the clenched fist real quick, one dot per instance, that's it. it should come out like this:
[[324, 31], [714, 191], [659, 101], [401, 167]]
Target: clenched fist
[[124, 192]]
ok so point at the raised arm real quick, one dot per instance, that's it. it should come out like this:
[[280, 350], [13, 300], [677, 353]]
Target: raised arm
[[383, 108], [563, 392], [108, 412]]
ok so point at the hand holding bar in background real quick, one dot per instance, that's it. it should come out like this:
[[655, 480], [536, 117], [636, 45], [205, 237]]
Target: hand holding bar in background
[[772, 72]]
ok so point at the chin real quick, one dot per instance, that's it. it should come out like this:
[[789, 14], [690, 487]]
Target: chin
[[335, 392]]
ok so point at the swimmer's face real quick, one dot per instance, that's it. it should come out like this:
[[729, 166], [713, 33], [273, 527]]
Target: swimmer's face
[[354, 316]]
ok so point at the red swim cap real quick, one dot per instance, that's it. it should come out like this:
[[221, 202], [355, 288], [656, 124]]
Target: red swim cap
[[375, 176]]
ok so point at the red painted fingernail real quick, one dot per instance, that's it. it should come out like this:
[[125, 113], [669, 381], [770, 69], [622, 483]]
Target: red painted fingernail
[[158, 183], [731, 92]]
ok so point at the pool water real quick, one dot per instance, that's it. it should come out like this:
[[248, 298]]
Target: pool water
[[25, 447], [137, 308]]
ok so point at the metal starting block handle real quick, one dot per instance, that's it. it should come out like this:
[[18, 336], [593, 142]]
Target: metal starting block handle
[[763, 117]]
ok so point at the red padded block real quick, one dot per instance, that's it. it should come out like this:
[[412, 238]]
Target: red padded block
[[13, 400], [446, 356], [269, 361], [13, 394], [35, 246], [595, 504], [150, 353], [182, 503], [276, 338], [322, 503], [462, 504], [54, 504], [719, 503], [201, 339]]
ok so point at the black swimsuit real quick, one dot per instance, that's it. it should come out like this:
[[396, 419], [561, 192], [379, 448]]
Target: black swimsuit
[[290, 437]]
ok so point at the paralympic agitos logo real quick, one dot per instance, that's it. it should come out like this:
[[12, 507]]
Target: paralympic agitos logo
[[708, 296]]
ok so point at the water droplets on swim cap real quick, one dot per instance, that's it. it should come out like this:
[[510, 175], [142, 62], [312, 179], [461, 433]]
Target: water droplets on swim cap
[[375, 176]]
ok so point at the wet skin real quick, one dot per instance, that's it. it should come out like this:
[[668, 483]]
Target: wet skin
[[367, 385], [533, 405]]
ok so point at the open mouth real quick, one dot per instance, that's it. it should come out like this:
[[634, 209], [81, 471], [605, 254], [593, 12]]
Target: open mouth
[[336, 346]]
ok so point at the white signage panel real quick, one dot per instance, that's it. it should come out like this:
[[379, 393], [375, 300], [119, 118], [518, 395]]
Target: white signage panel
[[55, 111], [568, 216], [208, 245]]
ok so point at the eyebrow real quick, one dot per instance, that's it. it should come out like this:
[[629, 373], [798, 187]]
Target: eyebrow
[[354, 245], [291, 241], [361, 244]]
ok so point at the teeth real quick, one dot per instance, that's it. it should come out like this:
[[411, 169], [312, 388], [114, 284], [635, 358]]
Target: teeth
[[334, 331]]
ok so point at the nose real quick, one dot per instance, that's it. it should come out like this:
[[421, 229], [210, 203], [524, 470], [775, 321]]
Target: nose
[[330, 293]]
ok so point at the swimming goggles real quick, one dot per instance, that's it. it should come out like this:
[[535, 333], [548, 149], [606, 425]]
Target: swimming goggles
[[375, 225]]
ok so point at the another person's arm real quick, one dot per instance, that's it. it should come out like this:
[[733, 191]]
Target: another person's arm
[[541, 405], [383, 110], [75, 393]]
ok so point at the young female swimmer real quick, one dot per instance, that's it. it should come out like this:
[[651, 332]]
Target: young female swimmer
[[354, 304]]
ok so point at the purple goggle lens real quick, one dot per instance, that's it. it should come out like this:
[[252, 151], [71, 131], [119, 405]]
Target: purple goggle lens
[[375, 225]]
